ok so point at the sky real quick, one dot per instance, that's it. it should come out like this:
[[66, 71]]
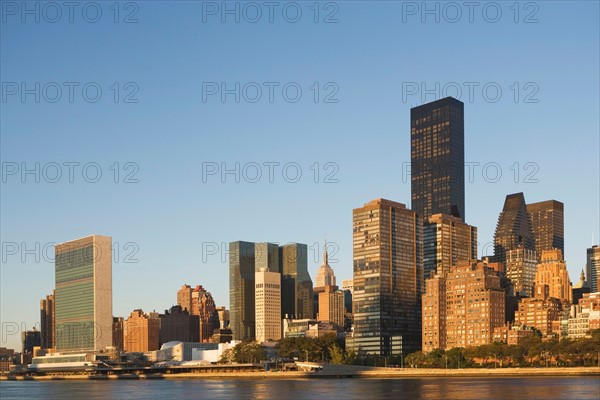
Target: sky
[[177, 127]]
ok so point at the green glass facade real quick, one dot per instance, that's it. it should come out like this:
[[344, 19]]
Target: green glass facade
[[75, 299]]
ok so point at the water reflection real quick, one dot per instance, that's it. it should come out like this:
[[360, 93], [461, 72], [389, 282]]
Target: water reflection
[[494, 388]]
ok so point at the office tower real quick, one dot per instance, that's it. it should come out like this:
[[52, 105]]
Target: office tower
[[117, 332], [474, 304], [296, 285], [241, 289], [29, 340], [388, 273], [539, 311], [47, 322], [438, 158], [521, 265], [266, 255], [552, 271], [268, 305], [141, 332], [331, 306], [179, 324], [593, 268], [547, 224], [513, 230], [446, 240], [580, 288], [83, 294]]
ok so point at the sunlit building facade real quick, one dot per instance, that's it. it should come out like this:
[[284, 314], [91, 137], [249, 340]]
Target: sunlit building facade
[[387, 253]]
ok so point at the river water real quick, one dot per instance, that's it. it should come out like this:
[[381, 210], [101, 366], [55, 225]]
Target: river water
[[543, 388]]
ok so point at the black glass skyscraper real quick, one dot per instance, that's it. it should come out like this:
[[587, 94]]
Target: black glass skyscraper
[[438, 158]]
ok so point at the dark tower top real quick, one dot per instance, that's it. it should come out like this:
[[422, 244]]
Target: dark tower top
[[514, 227], [438, 158]]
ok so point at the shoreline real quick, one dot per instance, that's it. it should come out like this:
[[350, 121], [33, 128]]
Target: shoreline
[[380, 373]]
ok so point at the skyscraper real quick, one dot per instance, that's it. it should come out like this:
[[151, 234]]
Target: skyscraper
[[521, 265], [83, 282], [325, 275], [296, 285], [266, 255], [513, 230], [548, 226], [241, 289], [446, 240], [438, 158], [331, 306], [593, 268], [47, 322], [387, 241], [268, 305], [552, 271]]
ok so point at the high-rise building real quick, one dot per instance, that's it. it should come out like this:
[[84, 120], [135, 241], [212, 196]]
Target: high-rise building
[[593, 268], [348, 284], [331, 306], [539, 311], [47, 321], [296, 285], [325, 277], [521, 265], [179, 324], [83, 294], [268, 305], [552, 271], [474, 301], [513, 230], [266, 255], [117, 332], [547, 224], [141, 332], [241, 289], [387, 252], [434, 313], [446, 239], [438, 158], [29, 340]]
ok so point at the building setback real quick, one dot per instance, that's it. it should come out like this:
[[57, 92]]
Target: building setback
[[438, 158], [388, 274], [83, 294]]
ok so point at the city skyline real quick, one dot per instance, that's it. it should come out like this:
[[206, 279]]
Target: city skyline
[[164, 219]]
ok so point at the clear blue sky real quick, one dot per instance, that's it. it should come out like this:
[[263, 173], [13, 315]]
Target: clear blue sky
[[370, 54]]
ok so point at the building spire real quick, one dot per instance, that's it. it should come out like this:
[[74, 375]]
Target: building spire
[[325, 256]]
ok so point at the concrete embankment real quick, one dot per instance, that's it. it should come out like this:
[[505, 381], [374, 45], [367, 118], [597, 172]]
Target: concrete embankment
[[339, 372]]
